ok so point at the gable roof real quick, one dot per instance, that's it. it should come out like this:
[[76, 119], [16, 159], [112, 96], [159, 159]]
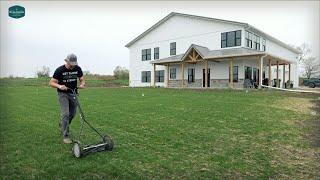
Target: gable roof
[[202, 51], [245, 25]]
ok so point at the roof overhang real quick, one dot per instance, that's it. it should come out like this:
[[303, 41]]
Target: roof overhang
[[177, 59]]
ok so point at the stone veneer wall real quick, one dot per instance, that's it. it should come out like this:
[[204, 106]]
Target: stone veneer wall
[[214, 83], [177, 83]]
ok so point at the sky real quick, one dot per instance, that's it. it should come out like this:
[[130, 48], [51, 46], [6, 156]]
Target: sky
[[97, 31]]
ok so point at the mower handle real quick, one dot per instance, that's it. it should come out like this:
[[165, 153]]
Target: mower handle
[[74, 91]]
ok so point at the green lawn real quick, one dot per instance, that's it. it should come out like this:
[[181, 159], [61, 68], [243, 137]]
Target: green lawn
[[167, 133]]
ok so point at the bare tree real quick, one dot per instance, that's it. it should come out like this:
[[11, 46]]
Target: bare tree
[[305, 52], [44, 72], [309, 63], [121, 73]]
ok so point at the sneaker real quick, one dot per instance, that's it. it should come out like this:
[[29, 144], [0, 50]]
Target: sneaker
[[67, 140]]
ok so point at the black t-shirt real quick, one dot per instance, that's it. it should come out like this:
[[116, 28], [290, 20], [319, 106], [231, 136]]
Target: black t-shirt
[[67, 77]]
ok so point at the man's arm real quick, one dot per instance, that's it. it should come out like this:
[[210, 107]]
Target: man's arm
[[82, 82], [54, 83]]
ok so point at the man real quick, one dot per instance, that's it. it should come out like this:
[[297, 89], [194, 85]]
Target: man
[[65, 79]]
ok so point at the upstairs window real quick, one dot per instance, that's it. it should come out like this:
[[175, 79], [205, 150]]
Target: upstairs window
[[156, 53], [248, 37], [253, 41], [172, 48], [263, 44], [257, 43], [146, 54], [231, 39]]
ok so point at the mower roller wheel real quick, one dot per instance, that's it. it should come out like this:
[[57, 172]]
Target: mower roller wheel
[[77, 150], [109, 142]]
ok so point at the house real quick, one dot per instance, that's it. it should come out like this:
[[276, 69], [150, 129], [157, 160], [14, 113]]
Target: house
[[183, 50]]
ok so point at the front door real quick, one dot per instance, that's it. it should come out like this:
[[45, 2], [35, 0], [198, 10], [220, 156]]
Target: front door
[[204, 77]]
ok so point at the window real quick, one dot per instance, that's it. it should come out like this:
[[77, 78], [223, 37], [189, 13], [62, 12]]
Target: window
[[190, 75], [248, 37], [145, 76], [160, 76], [252, 40], [235, 73], [254, 71], [156, 53], [263, 44], [247, 72], [223, 40], [146, 54], [231, 39], [173, 73], [238, 38], [173, 48], [257, 43]]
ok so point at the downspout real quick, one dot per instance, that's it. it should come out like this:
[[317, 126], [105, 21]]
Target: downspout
[[261, 70]]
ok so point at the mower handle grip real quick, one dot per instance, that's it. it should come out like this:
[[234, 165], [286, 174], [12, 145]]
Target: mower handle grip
[[74, 91]]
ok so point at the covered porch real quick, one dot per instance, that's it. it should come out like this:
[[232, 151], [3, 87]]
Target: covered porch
[[222, 62]]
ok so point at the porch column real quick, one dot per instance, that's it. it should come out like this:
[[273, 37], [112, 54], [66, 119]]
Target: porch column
[[168, 69], [206, 74], [182, 74], [278, 84], [284, 76], [154, 76], [269, 80], [231, 73], [260, 71], [289, 72]]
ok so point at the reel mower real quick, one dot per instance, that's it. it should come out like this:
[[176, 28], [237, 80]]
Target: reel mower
[[79, 149]]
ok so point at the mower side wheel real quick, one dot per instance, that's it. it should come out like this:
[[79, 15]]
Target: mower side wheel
[[109, 142], [77, 150]]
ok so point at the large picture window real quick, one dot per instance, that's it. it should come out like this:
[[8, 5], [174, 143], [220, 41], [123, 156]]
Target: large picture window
[[173, 48], [160, 76], [231, 39], [146, 76], [191, 75], [173, 73], [146, 54]]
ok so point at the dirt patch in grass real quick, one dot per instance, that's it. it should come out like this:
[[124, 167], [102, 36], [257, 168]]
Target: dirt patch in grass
[[313, 125], [301, 163], [296, 104]]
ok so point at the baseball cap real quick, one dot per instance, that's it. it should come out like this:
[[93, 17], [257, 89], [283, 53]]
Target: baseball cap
[[72, 59]]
